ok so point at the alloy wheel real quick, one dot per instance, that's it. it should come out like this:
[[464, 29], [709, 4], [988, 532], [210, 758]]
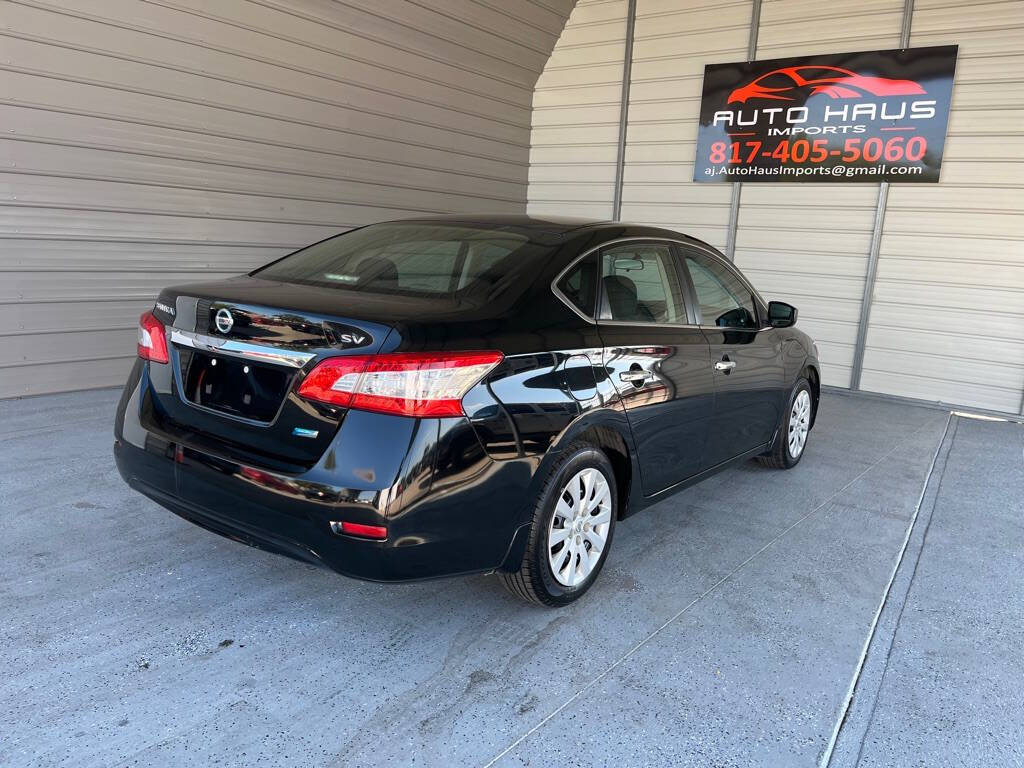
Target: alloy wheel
[[799, 423], [579, 528]]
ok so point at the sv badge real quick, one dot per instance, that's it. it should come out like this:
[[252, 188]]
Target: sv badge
[[346, 336]]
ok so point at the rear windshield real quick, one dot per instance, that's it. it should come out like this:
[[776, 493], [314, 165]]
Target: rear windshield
[[412, 259]]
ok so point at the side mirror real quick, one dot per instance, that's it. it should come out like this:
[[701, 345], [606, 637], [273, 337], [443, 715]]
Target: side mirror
[[781, 314]]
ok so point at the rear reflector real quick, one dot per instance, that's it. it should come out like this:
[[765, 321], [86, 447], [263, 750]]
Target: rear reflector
[[152, 341], [429, 384], [378, 532]]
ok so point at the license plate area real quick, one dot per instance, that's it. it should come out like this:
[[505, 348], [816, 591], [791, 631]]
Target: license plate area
[[234, 386]]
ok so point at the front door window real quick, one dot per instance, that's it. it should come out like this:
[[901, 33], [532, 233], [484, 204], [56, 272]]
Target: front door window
[[724, 300]]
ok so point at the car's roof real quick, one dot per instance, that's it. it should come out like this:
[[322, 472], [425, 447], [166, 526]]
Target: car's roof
[[553, 228], [549, 224]]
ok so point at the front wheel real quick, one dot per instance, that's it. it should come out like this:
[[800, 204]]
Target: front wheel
[[794, 429], [572, 530]]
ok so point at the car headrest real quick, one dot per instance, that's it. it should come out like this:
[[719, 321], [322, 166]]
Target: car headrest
[[377, 269], [621, 293]]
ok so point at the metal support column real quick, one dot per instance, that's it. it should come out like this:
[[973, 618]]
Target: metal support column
[[627, 76], [737, 186], [876, 240]]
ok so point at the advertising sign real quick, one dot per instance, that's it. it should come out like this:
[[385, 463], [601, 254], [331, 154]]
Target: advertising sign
[[848, 117]]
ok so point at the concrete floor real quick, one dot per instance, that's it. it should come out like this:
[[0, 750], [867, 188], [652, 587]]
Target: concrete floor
[[727, 628]]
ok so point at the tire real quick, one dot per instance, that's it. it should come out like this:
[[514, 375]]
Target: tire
[[794, 429], [536, 580]]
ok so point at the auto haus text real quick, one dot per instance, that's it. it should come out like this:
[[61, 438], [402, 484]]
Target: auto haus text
[[844, 118]]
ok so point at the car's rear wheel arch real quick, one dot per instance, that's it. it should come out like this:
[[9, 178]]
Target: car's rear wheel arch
[[610, 442], [534, 572]]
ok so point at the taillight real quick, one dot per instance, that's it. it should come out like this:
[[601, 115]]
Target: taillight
[[378, 532], [429, 384], [152, 342]]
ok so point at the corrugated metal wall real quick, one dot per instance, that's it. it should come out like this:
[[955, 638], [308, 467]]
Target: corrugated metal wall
[[673, 41], [147, 143], [948, 313], [576, 114], [808, 243]]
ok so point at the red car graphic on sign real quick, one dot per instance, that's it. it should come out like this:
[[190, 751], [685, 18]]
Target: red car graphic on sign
[[785, 84]]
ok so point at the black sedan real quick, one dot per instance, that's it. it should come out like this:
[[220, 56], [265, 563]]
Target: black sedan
[[461, 394]]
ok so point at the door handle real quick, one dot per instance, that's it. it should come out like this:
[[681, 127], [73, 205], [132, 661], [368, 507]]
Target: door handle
[[635, 377], [725, 366]]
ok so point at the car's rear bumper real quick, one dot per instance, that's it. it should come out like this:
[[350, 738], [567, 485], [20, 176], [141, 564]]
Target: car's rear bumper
[[448, 508], [233, 505]]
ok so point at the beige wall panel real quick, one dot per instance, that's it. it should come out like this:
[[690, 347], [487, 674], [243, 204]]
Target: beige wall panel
[[810, 242], [149, 144], [595, 173], [691, 18], [434, 32], [601, 94], [586, 61], [954, 247], [948, 316], [314, 153], [673, 43], [87, 194], [889, 320], [72, 286], [570, 116], [287, 36], [557, 208], [587, 12], [597, 135], [47, 316], [908, 383], [18, 221], [81, 373], [355, 81], [51, 255], [995, 387], [241, 104], [335, 180], [571, 77], [696, 46], [573, 143]]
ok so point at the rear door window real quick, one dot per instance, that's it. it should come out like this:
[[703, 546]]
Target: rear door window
[[639, 284], [579, 285]]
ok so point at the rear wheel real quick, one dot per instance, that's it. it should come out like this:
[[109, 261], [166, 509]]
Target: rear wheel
[[794, 429], [571, 532]]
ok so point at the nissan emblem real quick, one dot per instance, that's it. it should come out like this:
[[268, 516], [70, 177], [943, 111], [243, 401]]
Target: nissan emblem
[[223, 320]]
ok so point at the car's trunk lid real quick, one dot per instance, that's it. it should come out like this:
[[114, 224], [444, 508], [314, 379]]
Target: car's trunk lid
[[238, 347]]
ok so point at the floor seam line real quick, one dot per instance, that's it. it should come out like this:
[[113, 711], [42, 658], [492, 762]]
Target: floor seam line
[[910, 586], [844, 708], [715, 586]]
